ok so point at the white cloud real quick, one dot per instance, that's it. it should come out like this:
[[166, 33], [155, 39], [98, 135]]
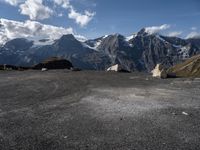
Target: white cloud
[[60, 14], [35, 10], [175, 33], [81, 19], [193, 35], [13, 2], [30, 29], [156, 29], [194, 28], [64, 3]]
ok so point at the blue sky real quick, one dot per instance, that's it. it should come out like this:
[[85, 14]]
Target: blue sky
[[110, 16]]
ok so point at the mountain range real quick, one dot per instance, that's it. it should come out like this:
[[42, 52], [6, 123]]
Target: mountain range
[[139, 52]]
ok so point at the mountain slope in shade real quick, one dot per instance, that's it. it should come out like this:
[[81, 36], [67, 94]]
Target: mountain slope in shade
[[67, 47], [189, 68], [156, 49], [119, 51], [13, 51]]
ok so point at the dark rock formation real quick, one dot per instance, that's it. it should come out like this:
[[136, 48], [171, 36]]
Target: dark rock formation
[[54, 63], [11, 67]]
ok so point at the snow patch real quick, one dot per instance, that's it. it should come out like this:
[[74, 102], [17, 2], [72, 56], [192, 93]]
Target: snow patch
[[176, 46], [27, 59], [105, 36], [97, 44], [160, 38], [184, 51], [131, 37]]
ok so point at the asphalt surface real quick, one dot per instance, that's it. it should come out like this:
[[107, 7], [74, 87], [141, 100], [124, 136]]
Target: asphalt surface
[[62, 110]]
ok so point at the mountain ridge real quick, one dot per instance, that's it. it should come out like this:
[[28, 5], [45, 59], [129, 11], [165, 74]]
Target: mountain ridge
[[140, 53]]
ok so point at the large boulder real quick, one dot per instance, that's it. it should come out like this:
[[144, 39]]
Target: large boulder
[[54, 63], [159, 72], [117, 68], [114, 68]]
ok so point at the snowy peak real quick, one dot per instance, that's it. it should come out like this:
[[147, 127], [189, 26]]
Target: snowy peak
[[142, 32]]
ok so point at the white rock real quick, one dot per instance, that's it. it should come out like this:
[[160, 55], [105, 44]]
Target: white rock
[[184, 113], [114, 68], [44, 69], [159, 71]]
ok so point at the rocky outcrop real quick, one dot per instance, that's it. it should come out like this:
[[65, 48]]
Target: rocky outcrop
[[159, 72], [189, 68], [54, 63]]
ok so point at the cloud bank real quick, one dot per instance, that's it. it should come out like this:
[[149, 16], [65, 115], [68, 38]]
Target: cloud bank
[[30, 29], [195, 35], [175, 33], [37, 10]]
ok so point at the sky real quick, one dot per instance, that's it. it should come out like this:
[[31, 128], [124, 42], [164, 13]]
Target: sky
[[95, 18]]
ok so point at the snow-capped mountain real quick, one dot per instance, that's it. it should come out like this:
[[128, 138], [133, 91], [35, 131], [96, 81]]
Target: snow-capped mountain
[[140, 51]]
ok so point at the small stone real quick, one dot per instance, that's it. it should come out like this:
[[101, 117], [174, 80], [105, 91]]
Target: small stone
[[184, 113], [65, 137]]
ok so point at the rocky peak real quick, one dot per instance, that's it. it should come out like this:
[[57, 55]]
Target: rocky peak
[[68, 43], [68, 37], [142, 32]]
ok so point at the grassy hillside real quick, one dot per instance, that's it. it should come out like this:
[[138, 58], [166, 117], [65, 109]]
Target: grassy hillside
[[189, 68]]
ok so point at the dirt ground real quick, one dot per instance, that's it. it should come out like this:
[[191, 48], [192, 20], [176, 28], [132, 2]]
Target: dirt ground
[[87, 110]]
